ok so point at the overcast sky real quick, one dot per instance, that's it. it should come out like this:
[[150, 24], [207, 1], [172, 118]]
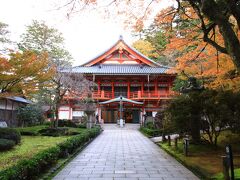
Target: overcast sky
[[86, 35]]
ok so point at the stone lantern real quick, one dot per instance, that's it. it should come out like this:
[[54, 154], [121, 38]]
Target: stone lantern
[[89, 107]]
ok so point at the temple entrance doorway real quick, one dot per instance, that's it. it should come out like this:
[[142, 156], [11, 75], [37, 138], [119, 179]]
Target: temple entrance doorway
[[129, 115]]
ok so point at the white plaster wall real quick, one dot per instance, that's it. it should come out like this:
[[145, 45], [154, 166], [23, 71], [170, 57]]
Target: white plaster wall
[[78, 113], [63, 114]]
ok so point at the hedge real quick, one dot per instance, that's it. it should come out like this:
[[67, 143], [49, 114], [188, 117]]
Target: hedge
[[11, 134], [66, 123], [54, 131], [151, 132], [33, 167], [6, 144]]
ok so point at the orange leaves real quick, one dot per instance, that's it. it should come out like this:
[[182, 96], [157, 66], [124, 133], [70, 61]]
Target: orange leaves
[[195, 57], [165, 16], [145, 48], [23, 72], [139, 25]]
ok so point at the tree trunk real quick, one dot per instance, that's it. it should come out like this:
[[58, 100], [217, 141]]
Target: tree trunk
[[56, 117], [57, 105], [232, 44], [195, 129]]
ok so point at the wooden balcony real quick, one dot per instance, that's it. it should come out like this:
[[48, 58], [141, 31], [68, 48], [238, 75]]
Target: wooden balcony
[[136, 95]]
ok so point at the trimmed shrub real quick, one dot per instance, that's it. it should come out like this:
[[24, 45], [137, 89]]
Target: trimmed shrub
[[66, 123], [31, 168], [31, 131], [11, 134], [82, 125], [6, 144], [28, 133], [53, 132], [151, 132], [72, 132]]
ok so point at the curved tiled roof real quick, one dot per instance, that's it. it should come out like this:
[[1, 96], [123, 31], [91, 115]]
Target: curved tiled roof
[[120, 69], [125, 44]]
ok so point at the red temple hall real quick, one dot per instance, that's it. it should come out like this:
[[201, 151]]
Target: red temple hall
[[123, 75]]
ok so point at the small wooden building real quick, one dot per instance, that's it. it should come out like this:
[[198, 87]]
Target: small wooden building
[[123, 71], [8, 109]]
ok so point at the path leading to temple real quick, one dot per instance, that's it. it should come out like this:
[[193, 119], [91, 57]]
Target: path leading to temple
[[123, 154]]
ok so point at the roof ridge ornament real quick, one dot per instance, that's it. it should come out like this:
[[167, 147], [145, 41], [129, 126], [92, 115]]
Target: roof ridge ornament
[[120, 37]]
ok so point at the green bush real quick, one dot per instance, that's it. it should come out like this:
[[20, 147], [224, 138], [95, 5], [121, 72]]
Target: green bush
[[11, 134], [6, 144], [82, 125], [31, 131], [71, 132], [28, 133], [47, 123], [150, 125], [31, 168], [151, 132], [31, 114], [69, 146], [66, 123], [53, 132]]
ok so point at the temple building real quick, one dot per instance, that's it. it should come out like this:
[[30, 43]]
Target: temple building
[[123, 75]]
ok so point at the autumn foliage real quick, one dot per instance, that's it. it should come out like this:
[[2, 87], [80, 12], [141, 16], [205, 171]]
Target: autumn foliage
[[195, 57], [23, 73]]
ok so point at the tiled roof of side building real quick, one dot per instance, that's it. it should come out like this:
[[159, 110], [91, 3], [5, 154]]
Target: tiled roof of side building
[[119, 69], [20, 99]]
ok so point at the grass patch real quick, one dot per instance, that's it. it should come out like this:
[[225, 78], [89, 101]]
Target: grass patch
[[32, 131], [34, 166], [29, 146], [220, 176], [205, 160]]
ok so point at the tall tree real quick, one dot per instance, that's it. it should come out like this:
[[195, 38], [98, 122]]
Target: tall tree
[[4, 37], [146, 48], [153, 43], [42, 38], [196, 57], [23, 73], [212, 14], [39, 37], [4, 33]]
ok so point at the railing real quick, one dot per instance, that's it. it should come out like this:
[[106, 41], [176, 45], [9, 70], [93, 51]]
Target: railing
[[135, 95], [102, 95]]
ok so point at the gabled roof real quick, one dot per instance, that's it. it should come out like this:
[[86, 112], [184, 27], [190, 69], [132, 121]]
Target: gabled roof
[[122, 45]]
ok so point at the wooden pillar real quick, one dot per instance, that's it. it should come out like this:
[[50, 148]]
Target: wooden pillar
[[169, 84], [99, 89], [112, 89], [142, 88], [155, 87], [128, 90]]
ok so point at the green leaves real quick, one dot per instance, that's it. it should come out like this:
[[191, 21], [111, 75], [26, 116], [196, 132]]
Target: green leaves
[[41, 38]]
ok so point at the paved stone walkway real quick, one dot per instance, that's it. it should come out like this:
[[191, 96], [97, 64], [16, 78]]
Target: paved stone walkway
[[124, 154]]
